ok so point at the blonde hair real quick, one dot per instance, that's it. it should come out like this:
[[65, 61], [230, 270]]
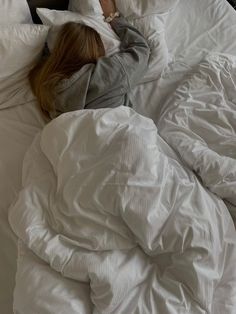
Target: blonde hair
[[76, 45]]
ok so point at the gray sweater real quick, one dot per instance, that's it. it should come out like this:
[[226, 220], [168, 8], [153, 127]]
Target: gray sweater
[[106, 83]]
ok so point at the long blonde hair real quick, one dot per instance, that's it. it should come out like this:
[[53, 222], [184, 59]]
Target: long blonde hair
[[76, 45]]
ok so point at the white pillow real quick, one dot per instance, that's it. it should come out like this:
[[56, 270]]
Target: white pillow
[[134, 8], [86, 7], [21, 46], [57, 18], [14, 11], [140, 8]]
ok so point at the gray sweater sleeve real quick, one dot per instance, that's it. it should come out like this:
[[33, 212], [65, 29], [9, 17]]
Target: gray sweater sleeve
[[134, 50], [124, 69]]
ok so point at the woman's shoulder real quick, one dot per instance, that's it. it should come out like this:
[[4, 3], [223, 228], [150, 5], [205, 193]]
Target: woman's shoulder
[[82, 74]]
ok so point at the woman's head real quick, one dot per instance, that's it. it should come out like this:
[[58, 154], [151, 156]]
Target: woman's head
[[75, 46]]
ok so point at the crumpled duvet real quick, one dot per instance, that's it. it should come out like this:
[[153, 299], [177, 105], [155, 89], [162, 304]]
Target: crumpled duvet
[[199, 122], [107, 203]]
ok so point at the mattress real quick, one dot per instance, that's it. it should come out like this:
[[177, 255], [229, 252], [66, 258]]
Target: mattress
[[193, 30]]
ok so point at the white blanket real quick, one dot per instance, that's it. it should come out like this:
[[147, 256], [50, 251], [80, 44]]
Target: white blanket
[[107, 203], [199, 122]]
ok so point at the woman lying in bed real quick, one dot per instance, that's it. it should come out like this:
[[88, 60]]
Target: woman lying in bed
[[78, 75]]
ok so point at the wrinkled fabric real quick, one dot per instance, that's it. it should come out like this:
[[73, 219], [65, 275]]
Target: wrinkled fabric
[[199, 122], [106, 202], [136, 8]]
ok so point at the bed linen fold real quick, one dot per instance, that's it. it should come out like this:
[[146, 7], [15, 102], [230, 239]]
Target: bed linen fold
[[199, 122]]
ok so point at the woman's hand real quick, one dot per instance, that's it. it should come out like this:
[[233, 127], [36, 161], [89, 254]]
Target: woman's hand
[[108, 7]]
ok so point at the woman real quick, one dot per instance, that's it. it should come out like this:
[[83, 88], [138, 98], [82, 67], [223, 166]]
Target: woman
[[77, 75]]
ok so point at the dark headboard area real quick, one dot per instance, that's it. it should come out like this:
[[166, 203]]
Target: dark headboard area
[[50, 4]]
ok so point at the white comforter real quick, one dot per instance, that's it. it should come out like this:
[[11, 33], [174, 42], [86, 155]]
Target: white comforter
[[107, 203], [199, 122]]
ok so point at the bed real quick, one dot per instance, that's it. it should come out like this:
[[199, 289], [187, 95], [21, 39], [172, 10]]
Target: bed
[[141, 269]]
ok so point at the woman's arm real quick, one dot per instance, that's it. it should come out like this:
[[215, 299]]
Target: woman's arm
[[108, 7], [114, 76], [134, 53], [134, 50]]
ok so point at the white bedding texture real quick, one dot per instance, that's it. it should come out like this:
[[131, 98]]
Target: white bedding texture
[[14, 11], [198, 121], [20, 46], [27, 41], [147, 237], [122, 210]]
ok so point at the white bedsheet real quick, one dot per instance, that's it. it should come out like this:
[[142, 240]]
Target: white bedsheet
[[18, 127], [195, 28]]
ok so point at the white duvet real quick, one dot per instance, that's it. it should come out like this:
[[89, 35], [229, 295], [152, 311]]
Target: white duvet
[[199, 122], [106, 203]]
